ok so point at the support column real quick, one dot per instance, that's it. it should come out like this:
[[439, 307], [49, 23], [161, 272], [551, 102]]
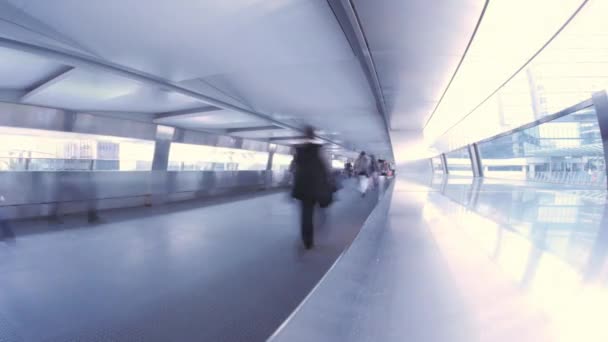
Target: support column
[[270, 158], [599, 252], [600, 102], [161, 184], [162, 146], [444, 164], [271, 150], [475, 160]]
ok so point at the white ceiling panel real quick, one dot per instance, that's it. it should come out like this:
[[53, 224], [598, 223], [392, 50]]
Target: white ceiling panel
[[264, 134], [288, 59], [291, 141], [93, 91], [333, 97], [180, 40], [215, 120], [20, 70]]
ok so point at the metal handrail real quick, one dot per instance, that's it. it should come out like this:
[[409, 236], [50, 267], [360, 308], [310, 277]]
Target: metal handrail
[[63, 164]]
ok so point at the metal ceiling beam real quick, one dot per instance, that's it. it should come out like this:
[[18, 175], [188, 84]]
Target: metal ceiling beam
[[93, 63], [47, 82], [347, 17], [253, 129], [11, 95], [299, 137], [186, 113]]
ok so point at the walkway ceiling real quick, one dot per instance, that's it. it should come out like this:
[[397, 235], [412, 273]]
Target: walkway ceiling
[[237, 67], [416, 46]]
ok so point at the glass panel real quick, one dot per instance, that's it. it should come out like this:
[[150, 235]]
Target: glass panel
[[437, 164], [186, 157], [566, 150], [39, 150], [572, 67], [281, 162], [337, 164], [459, 162], [484, 69]]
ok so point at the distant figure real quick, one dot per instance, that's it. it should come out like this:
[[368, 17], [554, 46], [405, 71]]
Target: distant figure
[[362, 170], [5, 228], [292, 170], [312, 185], [383, 168], [374, 169], [348, 169]]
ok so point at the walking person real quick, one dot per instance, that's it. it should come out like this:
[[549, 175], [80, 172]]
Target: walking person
[[374, 169], [291, 170], [348, 169], [5, 229], [311, 186], [362, 170]]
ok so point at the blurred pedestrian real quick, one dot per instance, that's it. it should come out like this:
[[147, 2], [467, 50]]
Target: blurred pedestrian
[[5, 228], [362, 170], [348, 169], [374, 169], [292, 170], [312, 185], [383, 167]]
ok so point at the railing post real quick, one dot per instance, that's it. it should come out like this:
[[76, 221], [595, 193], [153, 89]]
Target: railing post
[[479, 160], [600, 102], [162, 147], [475, 160], [268, 173], [444, 164]]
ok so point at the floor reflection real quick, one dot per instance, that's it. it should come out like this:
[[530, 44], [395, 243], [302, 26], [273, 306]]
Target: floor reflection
[[550, 241]]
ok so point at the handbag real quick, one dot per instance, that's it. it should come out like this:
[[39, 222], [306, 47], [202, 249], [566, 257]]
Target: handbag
[[326, 195], [326, 199]]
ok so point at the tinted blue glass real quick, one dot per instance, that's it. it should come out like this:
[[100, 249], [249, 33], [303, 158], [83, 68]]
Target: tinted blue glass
[[459, 162], [565, 150]]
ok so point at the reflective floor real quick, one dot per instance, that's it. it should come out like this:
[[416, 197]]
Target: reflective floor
[[226, 270], [546, 245], [462, 260]]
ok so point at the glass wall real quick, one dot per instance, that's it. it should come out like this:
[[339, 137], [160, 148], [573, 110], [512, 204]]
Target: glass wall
[[459, 162], [437, 164], [569, 70], [565, 150], [40, 150], [187, 157], [281, 162]]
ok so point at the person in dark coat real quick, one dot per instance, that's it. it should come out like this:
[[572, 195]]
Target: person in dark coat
[[311, 185]]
